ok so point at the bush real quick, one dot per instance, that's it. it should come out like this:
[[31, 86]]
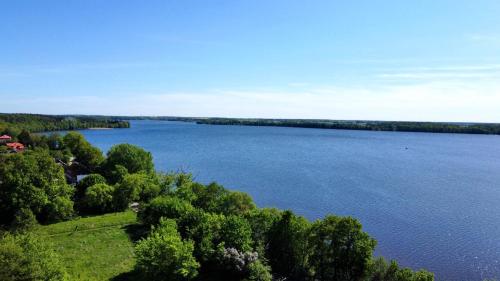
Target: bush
[[87, 182], [135, 187], [259, 272], [166, 207], [381, 270], [98, 198], [23, 257], [164, 256], [237, 233]]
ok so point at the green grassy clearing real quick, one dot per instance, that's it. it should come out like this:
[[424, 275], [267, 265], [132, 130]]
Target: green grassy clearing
[[95, 248]]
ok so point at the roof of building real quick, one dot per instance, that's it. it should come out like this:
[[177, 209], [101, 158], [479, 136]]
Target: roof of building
[[15, 145], [5, 137]]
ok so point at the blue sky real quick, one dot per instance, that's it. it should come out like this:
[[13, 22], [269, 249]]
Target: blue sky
[[435, 60]]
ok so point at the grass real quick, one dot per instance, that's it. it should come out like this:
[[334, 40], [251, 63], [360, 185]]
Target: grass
[[96, 248]]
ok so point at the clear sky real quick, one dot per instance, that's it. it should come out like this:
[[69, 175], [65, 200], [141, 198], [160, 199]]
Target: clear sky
[[436, 60]]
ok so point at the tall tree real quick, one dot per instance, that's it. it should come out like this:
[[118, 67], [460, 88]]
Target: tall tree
[[288, 248], [88, 156], [34, 182], [133, 158], [340, 249]]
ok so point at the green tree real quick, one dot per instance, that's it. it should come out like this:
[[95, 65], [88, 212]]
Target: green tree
[[135, 187], [88, 156], [165, 256], [340, 249], [87, 182], [55, 141], [259, 272], [166, 207], [98, 198], [205, 230], [34, 182], [236, 233], [261, 221], [133, 158], [115, 174], [237, 203], [24, 257], [208, 198], [380, 270], [288, 250], [25, 138]]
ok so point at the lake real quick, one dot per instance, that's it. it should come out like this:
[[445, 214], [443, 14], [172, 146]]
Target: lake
[[430, 200]]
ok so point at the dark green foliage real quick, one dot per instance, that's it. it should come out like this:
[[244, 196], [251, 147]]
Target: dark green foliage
[[13, 124], [261, 221], [165, 256], [116, 174], [236, 233], [257, 271], [288, 248], [98, 199], [340, 250], [431, 127], [208, 198], [166, 207], [383, 271], [133, 158], [215, 198], [24, 257], [25, 138], [87, 182], [237, 203], [205, 230], [88, 157], [34, 182], [135, 187]]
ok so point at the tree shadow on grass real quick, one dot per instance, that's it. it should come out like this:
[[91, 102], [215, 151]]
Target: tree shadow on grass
[[133, 275], [136, 231]]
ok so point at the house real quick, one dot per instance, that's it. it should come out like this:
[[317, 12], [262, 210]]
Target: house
[[5, 139], [15, 146]]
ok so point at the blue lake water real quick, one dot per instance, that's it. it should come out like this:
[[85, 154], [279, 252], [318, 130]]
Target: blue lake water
[[430, 200]]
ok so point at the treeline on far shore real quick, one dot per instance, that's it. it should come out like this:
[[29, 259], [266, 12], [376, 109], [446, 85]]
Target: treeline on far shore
[[14, 123], [366, 125], [397, 126]]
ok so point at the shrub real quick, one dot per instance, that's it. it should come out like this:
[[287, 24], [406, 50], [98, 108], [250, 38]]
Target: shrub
[[87, 182], [166, 207], [135, 187], [24, 257], [33, 181], [165, 256], [98, 198]]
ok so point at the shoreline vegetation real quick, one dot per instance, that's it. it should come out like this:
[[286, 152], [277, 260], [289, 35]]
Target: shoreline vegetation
[[14, 123], [44, 123], [363, 125], [123, 220]]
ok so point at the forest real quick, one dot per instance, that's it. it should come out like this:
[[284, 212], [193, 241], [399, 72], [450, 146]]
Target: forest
[[179, 229], [365, 125], [396, 126], [12, 124]]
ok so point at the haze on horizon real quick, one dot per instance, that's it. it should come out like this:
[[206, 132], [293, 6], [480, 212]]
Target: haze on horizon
[[375, 60]]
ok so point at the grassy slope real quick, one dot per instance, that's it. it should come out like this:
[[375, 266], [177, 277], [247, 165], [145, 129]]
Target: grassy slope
[[95, 248]]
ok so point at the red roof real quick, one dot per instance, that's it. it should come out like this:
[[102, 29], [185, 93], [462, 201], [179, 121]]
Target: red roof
[[16, 145], [5, 137]]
